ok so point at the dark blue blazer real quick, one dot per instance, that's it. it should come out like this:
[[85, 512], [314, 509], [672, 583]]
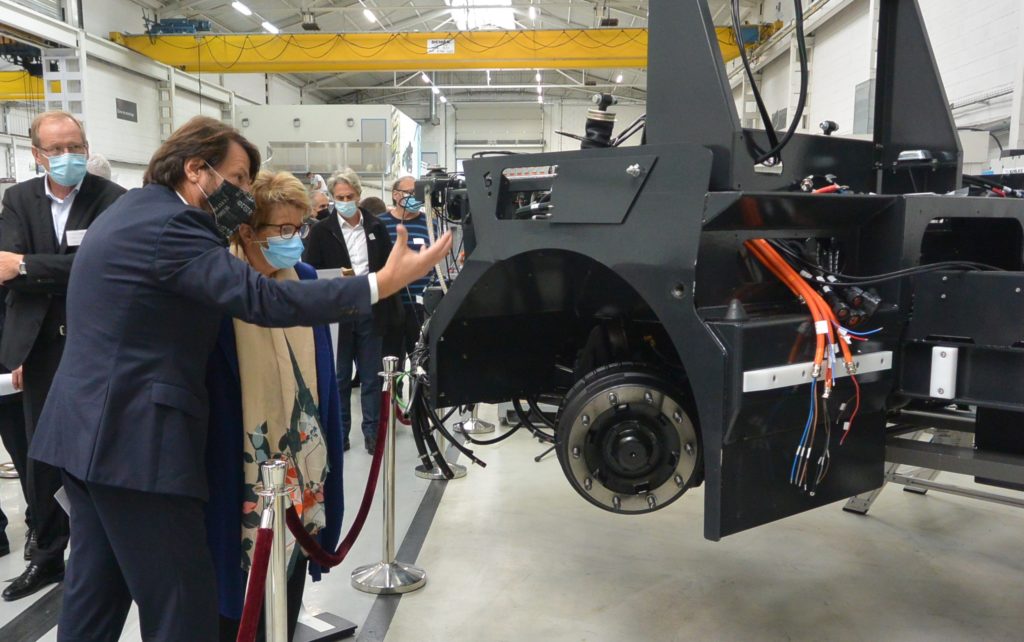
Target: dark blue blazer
[[224, 459], [150, 284]]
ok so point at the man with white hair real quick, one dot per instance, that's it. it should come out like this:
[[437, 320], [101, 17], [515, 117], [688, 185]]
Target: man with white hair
[[98, 165]]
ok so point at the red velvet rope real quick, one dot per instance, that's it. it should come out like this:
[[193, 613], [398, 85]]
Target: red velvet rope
[[257, 583], [307, 542]]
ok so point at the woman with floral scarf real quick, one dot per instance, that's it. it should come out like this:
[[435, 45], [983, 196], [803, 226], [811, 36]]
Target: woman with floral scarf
[[273, 393]]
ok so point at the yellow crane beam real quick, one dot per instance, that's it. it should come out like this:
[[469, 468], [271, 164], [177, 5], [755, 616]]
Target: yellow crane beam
[[406, 51], [19, 85]]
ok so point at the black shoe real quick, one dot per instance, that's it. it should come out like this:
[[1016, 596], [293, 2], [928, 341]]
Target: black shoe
[[30, 544], [33, 579], [371, 444], [348, 445]]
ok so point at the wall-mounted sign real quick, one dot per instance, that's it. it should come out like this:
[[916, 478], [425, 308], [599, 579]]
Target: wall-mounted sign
[[127, 110]]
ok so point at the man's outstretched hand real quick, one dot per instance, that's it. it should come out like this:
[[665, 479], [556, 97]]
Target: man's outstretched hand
[[405, 266]]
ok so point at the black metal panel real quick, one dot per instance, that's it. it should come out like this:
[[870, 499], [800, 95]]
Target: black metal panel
[[1000, 431], [690, 99], [911, 109], [947, 304], [599, 180]]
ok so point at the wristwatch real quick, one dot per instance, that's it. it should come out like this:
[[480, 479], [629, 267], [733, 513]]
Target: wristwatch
[[21, 269]]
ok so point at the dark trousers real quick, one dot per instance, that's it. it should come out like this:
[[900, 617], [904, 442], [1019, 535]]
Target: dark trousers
[[12, 432], [401, 339], [149, 548], [43, 480], [359, 341], [296, 585]]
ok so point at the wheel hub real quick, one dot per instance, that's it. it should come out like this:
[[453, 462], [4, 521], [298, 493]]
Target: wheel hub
[[628, 448]]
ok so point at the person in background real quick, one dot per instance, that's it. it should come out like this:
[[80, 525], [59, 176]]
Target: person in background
[[320, 207], [270, 386], [98, 165], [44, 222], [316, 182], [407, 211], [12, 433], [373, 206], [127, 417], [353, 239]]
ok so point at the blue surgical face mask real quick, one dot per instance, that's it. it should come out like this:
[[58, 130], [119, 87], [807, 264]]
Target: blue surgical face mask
[[68, 169], [347, 209], [283, 253], [412, 204]]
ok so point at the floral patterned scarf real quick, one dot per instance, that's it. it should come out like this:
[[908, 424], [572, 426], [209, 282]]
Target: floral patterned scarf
[[280, 416]]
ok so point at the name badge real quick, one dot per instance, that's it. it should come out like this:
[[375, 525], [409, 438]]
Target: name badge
[[419, 299], [419, 241], [372, 238], [74, 237]]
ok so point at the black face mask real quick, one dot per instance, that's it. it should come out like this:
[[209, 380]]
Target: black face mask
[[231, 205]]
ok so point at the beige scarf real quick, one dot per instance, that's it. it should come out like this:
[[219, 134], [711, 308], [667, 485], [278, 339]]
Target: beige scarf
[[280, 416]]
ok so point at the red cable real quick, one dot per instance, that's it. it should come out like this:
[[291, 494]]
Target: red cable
[[306, 540], [257, 583], [853, 415]]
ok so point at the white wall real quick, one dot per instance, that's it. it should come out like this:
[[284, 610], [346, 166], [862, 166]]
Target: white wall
[[251, 88], [121, 140], [101, 17]]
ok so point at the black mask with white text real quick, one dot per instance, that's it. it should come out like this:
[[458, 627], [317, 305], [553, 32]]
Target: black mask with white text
[[231, 206]]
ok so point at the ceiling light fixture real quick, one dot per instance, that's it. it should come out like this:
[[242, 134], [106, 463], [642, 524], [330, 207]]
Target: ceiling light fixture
[[241, 8], [540, 99], [435, 90], [532, 12], [444, 100], [425, 77], [537, 77], [539, 89], [271, 28], [618, 79], [369, 15]]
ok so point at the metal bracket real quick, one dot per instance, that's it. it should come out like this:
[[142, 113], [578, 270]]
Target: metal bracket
[[796, 374]]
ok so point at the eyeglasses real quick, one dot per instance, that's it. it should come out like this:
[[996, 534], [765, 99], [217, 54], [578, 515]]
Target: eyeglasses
[[67, 149], [288, 230]]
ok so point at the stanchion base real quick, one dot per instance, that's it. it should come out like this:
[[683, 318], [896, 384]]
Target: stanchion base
[[388, 579], [436, 474], [325, 627], [474, 427]]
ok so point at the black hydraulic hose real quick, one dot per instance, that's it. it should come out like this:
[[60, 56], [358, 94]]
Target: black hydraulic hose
[[440, 427], [417, 434], [532, 402], [525, 419], [769, 127], [491, 442], [432, 447]]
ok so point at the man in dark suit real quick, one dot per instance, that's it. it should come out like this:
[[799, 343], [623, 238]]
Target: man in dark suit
[[354, 240], [127, 417], [44, 221], [12, 433]]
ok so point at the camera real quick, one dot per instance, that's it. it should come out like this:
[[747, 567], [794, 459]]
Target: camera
[[440, 190]]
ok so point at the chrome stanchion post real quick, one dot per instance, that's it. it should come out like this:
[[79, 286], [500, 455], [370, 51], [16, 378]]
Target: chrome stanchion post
[[474, 425], [389, 576], [274, 491]]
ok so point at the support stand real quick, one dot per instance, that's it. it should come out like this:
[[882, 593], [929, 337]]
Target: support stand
[[389, 576], [474, 425], [273, 490]]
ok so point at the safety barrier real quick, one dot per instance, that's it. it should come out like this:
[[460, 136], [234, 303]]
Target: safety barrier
[[268, 556]]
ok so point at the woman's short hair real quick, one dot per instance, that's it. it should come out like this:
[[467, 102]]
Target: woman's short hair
[[277, 188], [201, 137], [373, 205], [345, 176]]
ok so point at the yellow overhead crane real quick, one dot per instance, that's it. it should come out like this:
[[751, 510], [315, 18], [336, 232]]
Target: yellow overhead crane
[[19, 85], [404, 51]]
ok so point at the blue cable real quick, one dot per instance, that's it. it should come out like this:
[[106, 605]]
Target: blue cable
[[864, 334], [807, 429]]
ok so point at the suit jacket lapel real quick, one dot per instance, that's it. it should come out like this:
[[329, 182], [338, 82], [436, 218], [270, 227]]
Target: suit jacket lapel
[[335, 228], [41, 223], [81, 208]]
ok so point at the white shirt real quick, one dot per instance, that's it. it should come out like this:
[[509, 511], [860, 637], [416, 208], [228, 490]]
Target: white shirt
[[60, 209], [372, 277], [355, 241]]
